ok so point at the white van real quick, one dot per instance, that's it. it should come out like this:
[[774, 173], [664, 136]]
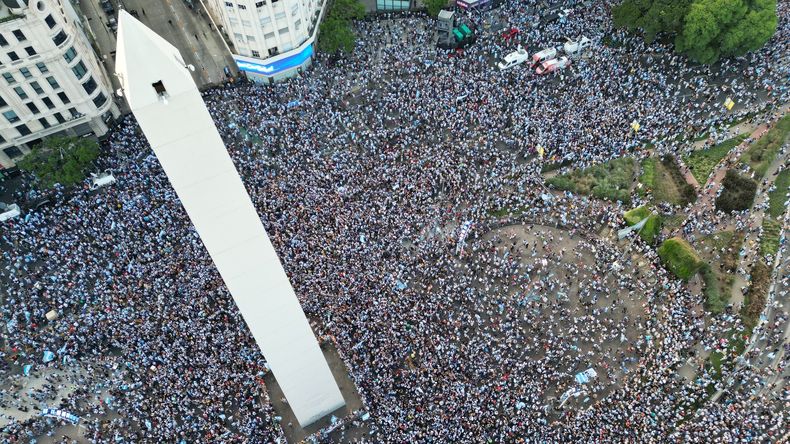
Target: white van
[[514, 59], [575, 48], [9, 212], [542, 56], [102, 180]]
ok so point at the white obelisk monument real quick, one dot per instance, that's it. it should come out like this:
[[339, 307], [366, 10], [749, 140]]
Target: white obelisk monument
[[168, 106]]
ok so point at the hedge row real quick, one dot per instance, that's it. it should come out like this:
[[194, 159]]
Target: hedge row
[[757, 296], [738, 193]]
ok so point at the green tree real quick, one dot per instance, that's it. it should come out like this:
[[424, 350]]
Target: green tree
[[61, 160], [651, 16], [726, 28], [336, 31], [706, 30], [336, 35], [434, 6]]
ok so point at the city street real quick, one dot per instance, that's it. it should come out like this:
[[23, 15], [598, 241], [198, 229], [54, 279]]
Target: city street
[[189, 30]]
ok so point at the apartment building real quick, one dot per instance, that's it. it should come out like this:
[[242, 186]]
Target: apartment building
[[52, 82], [274, 39]]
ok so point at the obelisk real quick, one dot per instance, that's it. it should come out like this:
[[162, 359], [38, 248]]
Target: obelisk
[[168, 107]]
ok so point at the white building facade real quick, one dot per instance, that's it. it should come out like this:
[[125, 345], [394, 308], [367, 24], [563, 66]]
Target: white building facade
[[52, 82], [274, 39]]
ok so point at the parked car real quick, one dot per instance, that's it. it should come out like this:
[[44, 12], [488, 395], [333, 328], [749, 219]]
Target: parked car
[[107, 7], [510, 33], [553, 65], [515, 58]]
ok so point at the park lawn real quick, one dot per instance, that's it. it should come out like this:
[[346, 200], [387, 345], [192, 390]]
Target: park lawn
[[611, 180], [664, 187], [778, 197], [652, 226], [720, 251], [760, 155], [702, 162], [680, 258], [769, 242], [647, 178]]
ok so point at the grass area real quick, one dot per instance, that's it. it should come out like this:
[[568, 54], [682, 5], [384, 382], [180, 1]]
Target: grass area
[[652, 226], [611, 180], [760, 155], [720, 251], [769, 242], [647, 178], [679, 258], [669, 185], [702, 162], [778, 197]]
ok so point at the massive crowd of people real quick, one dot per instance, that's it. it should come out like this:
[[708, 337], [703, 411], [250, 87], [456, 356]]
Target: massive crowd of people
[[363, 170]]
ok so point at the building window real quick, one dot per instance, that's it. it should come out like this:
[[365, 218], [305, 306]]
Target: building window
[[2, 102], [74, 112], [298, 24], [20, 35], [44, 122], [30, 51], [52, 82], [50, 21], [246, 23], [3, 41], [259, 4], [265, 20], [11, 116], [90, 85], [59, 117], [23, 130], [42, 68], [12, 55], [25, 73], [273, 51], [256, 54], [242, 7], [79, 70], [283, 30], [229, 4], [59, 38], [36, 87], [47, 101], [238, 37], [20, 92], [33, 108], [100, 100], [70, 55], [279, 15], [9, 78], [64, 98]]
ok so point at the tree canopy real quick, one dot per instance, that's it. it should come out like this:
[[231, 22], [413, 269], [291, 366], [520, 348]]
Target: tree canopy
[[61, 160], [706, 30], [336, 32], [434, 6]]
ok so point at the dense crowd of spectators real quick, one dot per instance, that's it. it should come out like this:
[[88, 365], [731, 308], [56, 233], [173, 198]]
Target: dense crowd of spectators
[[362, 186]]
